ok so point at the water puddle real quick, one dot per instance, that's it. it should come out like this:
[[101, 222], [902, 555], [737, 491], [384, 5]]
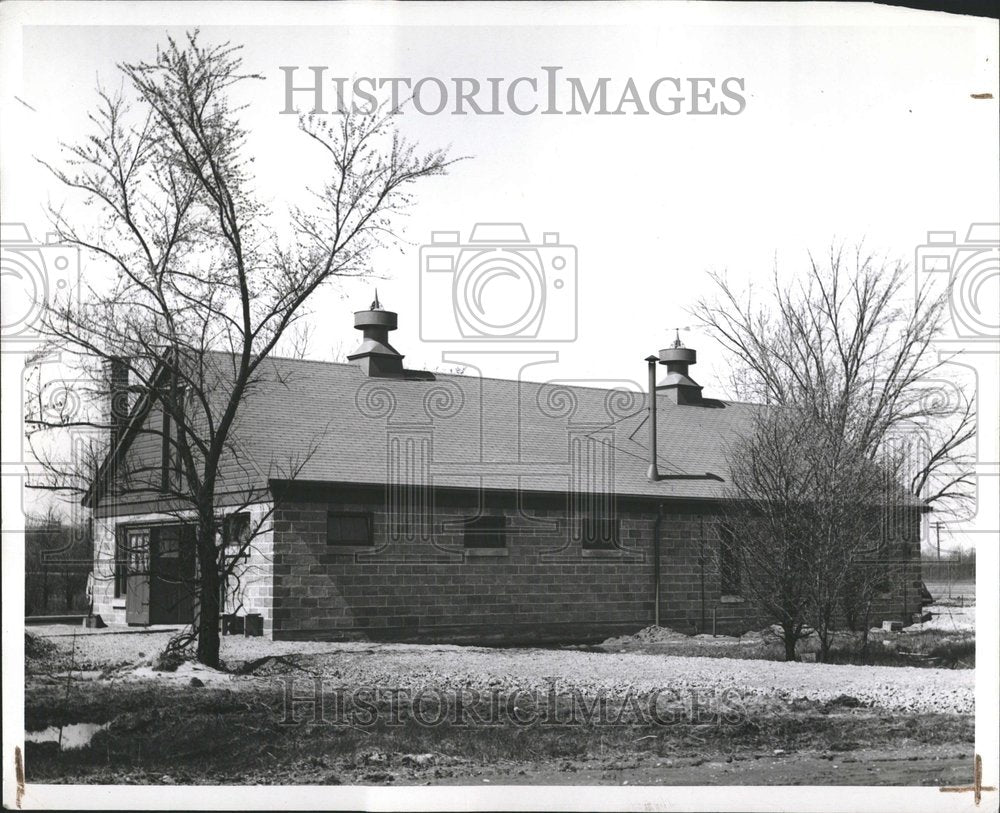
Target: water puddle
[[77, 735]]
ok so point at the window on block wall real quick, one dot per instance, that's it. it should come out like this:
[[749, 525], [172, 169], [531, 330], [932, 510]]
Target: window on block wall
[[236, 548], [236, 537], [349, 528], [598, 532], [486, 532]]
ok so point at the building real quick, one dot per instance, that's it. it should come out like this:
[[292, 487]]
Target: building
[[447, 507]]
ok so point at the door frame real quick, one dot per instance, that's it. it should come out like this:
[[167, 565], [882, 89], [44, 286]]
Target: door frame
[[140, 578]]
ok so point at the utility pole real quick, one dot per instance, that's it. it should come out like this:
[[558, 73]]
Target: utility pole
[[938, 526]]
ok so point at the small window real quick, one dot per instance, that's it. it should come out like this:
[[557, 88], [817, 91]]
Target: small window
[[599, 532], [729, 564], [348, 529], [486, 532], [137, 551], [236, 537]]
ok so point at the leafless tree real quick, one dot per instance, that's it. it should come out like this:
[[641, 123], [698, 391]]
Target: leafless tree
[[851, 343], [203, 291], [856, 434], [802, 523], [766, 524]]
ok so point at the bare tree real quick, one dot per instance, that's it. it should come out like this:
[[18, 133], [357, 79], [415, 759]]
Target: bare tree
[[766, 533], [803, 523], [847, 344], [202, 290], [857, 437]]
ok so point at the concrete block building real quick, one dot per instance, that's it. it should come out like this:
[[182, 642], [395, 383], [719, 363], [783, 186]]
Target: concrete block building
[[450, 507]]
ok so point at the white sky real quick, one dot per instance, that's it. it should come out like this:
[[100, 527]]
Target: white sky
[[859, 124]]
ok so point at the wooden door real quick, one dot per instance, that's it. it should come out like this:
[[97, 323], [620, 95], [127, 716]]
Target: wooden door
[[137, 577], [172, 575]]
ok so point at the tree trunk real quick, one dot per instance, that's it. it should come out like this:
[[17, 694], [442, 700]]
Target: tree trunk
[[789, 641], [825, 642], [208, 594]]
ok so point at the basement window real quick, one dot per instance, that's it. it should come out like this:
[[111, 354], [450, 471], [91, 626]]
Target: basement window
[[599, 533], [486, 532], [349, 529]]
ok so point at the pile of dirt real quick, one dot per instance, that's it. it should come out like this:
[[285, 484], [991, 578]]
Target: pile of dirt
[[648, 635]]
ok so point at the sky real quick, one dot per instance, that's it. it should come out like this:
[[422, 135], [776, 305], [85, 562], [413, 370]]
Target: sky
[[858, 126]]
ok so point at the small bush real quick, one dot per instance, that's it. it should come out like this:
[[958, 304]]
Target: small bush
[[37, 648]]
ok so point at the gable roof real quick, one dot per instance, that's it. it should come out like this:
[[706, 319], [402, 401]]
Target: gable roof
[[335, 424], [326, 422]]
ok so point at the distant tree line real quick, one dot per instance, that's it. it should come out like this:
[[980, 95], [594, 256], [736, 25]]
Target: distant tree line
[[58, 560]]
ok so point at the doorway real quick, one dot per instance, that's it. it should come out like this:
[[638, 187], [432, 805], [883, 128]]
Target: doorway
[[161, 575]]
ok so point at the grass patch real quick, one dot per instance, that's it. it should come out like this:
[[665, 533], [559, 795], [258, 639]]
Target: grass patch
[[239, 736], [931, 649], [935, 648]]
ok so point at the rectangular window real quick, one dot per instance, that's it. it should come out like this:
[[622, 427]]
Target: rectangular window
[[599, 532], [729, 563], [486, 532], [236, 541], [236, 537], [348, 528], [167, 541]]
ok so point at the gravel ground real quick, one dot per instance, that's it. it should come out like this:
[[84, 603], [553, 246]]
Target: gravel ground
[[947, 619], [890, 688], [414, 666]]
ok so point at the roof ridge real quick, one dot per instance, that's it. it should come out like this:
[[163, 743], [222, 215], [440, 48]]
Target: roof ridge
[[439, 374]]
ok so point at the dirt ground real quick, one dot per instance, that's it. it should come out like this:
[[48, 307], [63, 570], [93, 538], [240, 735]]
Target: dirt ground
[[719, 720]]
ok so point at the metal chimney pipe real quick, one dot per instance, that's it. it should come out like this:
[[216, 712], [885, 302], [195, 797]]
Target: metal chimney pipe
[[652, 472]]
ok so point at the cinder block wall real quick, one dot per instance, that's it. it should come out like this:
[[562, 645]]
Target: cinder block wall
[[544, 587], [252, 589]]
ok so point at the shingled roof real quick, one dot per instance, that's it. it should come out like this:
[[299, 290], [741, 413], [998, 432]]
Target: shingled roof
[[335, 424]]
